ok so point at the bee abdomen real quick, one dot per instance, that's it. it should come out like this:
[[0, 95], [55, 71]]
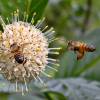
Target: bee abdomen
[[19, 58], [90, 48]]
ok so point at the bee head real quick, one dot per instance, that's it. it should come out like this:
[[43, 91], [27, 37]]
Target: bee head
[[14, 47], [70, 45]]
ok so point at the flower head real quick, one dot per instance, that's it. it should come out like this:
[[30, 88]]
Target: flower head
[[24, 50]]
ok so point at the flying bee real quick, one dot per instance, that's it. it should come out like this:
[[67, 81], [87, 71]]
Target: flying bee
[[18, 54], [80, 48]]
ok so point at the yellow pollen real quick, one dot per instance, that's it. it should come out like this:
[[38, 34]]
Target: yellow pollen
[[38, 49]]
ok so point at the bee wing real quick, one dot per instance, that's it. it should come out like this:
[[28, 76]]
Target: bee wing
[[23, 45], [80, 55]]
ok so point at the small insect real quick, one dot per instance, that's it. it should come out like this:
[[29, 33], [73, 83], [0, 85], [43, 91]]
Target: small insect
[[18, 55], [80, 48]]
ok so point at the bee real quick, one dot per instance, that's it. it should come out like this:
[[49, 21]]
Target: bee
[[80, 48], [18, 55]]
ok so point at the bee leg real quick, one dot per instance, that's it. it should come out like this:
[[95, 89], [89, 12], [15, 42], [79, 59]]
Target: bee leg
[[10, 57], [25, 61], [76, 49], [79, 55]]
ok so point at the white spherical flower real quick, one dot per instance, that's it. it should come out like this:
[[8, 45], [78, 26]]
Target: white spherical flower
[[24, 50]]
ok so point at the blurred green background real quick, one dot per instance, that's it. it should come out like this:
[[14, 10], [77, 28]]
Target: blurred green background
[[72, 20]]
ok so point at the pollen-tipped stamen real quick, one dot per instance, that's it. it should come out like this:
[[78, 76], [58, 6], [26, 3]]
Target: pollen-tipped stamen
[[22, 90], [2, 22], [33, 76], [16, 86], [52, 68], [32, 20], [49, 31], [44, 28], [45, 74], [56, 64], [51, 35], [52, 40], [25, 17], [8, 21], [51, 59], [16, 16], [54, 49], [39, 23], [40, 80], [26, 88], [56, 53]]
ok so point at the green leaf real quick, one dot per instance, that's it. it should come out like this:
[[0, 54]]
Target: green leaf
[[4, 96], [51, 95], [67, 61], [28, 6], [75, 88], [87, 66], [38, 7]]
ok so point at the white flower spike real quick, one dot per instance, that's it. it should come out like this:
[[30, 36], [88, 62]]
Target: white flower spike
[[24, 50]]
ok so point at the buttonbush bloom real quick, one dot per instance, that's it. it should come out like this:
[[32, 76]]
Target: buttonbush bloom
[[24, 50]]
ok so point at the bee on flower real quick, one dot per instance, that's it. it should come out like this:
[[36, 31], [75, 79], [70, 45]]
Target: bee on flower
[[24, 51]]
